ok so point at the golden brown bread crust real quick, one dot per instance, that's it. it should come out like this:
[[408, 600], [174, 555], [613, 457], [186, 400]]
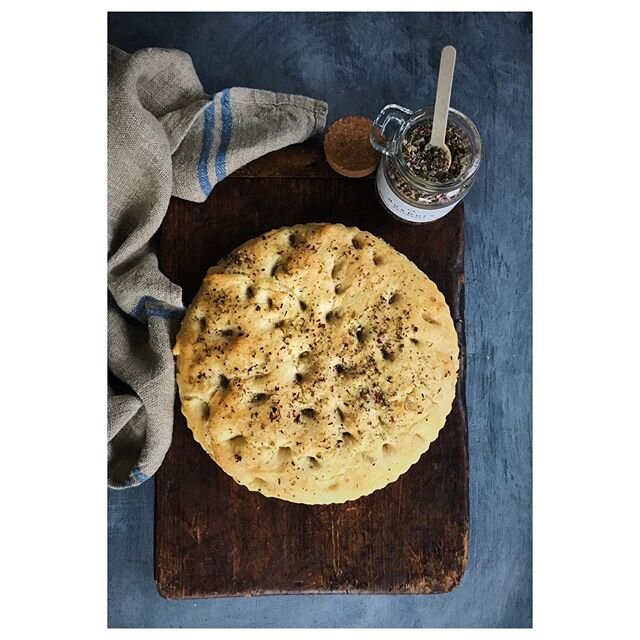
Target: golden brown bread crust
[[316, 363]]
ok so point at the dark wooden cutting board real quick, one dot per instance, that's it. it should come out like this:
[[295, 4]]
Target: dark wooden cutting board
[[216, 538]]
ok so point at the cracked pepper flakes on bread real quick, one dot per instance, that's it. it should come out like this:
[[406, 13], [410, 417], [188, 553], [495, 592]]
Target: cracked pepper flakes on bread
[[316, 363]]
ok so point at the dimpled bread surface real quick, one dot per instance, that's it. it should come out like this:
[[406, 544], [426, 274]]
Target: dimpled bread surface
[[316, 364]]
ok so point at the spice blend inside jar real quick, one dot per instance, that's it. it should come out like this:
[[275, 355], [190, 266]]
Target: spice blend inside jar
[[430, 163]]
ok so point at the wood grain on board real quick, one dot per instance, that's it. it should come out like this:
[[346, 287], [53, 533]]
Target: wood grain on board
[[213, 537]]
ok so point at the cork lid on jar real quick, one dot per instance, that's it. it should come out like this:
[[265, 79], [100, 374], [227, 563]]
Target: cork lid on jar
[[347, 147]]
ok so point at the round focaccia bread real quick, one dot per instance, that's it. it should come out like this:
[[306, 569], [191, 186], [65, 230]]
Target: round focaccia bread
[[316, 363]]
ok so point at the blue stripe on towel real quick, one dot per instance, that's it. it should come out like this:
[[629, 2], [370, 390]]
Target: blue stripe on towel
[[205, 152], [149, 306], [135, 479], [225, 136], [139, 476], [166, 313]]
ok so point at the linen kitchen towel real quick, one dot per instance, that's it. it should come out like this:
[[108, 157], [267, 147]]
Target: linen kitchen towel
[[167, 137]]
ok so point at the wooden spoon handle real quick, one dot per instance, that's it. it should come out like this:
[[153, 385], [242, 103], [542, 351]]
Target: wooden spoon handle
[[443, 96]]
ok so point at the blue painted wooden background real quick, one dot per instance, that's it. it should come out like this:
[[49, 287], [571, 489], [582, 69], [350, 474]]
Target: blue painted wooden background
[[359, 62]]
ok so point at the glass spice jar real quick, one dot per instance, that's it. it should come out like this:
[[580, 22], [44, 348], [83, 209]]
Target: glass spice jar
[[406, 189]]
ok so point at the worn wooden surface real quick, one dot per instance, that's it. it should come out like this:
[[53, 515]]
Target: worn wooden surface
[[214, 537]]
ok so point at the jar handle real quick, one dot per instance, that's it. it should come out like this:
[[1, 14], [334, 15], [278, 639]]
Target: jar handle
[[383, 135]]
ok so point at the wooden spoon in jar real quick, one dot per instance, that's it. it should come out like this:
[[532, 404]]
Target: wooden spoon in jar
[[441, 109]]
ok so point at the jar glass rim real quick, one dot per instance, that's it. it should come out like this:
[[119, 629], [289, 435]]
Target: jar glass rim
[[476, 144]]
